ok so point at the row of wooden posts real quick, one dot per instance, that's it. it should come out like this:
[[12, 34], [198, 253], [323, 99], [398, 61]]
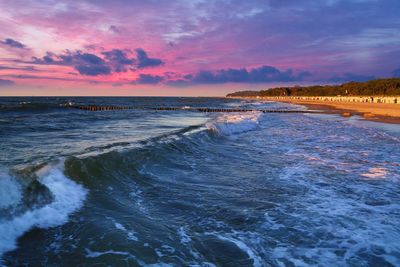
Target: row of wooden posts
[[102, 108]]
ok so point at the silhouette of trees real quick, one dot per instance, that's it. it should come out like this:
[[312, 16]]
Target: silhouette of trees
[[380, 87]]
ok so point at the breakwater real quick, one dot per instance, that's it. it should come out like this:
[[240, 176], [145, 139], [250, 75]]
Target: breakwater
[[104, 108]]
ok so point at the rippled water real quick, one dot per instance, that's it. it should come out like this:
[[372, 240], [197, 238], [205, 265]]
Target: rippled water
[[180, 188]]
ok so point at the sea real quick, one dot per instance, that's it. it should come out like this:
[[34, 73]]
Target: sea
[[144, 187]]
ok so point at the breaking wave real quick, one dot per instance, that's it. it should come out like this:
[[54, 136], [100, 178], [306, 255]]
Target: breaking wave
[[67, 195], [232, 124]]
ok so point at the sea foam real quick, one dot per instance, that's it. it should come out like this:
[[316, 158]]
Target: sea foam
[[68, 197], [232, 124]]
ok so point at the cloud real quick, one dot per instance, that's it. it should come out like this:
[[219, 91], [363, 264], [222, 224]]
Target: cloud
[[149, 79], [64, 79], [36, 77], [144, 61], [87, 63], [26, 68], [13, 43], [90, 58], [90, 64], [263, 74], [119, 60], [351, 77], [93, 70], [114, 29], [105, 63], [283, 33], [396, 73], [6, 82]]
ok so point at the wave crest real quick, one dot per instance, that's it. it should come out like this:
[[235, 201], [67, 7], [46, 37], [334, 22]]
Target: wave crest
[[233, 124], [68, 197]]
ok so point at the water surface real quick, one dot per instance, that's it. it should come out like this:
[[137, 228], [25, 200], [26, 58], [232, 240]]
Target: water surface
[[180, 188]]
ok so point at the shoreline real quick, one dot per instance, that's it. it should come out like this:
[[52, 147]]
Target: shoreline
[[378, 112]]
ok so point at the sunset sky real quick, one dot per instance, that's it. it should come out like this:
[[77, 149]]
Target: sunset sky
[[193, 47]]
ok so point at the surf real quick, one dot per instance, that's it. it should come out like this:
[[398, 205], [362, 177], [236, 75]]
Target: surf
[[234, 124], [68, 197]]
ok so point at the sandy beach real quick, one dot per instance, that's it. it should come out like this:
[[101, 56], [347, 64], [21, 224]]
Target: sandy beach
[[389, 113]]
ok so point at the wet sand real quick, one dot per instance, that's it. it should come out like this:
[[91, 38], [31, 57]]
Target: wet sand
[[381, 112]]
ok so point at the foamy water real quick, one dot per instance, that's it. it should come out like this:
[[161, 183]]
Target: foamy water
[[68, 197], [232, 124]]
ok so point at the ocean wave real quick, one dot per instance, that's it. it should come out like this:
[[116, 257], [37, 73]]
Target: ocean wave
[[68, 197], [142, 161], [137, 160], [10, 191], [233, 124]]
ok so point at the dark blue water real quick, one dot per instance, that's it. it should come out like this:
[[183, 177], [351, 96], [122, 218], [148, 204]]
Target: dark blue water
[[180, 188]]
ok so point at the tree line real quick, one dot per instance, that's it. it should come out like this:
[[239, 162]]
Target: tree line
[[380, 87]]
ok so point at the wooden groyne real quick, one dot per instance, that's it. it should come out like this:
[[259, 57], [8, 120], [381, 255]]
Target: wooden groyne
[[101, 108], [206, 110]]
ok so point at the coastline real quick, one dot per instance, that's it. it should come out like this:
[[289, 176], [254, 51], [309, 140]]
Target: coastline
[[379, 112]]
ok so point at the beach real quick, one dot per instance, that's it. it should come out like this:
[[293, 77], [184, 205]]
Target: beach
[[381, 112]]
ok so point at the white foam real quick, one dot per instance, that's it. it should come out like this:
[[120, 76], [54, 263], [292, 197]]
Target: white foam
[[10, 191], [95, 254], [235, 123], [356, 226], [119, 226], [130, 234], [185, 239], [68, 197]]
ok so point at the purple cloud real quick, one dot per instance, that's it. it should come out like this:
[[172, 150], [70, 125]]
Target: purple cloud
[[108, 62], [85, 63], [149, 79], [6, 82], [35, 77], [119, 60], [114, 29], [93, 70], [13, 43], [26, 68], [263, 74], [144, 61]]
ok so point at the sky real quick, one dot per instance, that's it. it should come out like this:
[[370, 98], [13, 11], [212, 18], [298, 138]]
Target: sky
[[193, 47]]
